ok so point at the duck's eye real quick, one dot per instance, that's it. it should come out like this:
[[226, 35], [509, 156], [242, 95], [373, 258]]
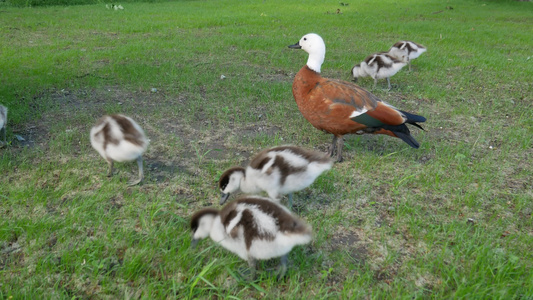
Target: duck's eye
[[305, 39]]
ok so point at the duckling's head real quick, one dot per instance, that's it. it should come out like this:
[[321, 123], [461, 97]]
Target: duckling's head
[[313, 44], [201, 224], [230, 182], [357, 72], [399, 53]]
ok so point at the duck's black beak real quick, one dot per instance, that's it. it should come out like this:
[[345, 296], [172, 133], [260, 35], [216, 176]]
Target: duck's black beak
[[223, 198], [296, 46]]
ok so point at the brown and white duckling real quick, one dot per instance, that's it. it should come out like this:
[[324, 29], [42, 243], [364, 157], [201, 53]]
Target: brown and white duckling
[[277, 171], [3, 122], [378, 66], [119, 138], [254, 228], [406, 51]]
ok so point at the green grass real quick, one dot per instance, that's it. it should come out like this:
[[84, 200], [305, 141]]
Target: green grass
[[389, 222]]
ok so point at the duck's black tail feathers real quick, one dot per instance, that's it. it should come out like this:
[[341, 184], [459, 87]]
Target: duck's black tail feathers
[[408, 138], [402, 132], [412, 119]]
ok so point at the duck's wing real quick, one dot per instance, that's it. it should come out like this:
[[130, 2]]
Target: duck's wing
[[263, 162], [350, 100]]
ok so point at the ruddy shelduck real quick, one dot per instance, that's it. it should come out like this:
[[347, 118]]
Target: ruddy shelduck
[[339, 107]]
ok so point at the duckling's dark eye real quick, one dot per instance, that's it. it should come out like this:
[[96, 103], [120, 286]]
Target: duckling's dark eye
[[305, 39], [224, 182]]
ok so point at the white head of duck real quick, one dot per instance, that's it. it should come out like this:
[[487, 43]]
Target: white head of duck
[[314, 45]]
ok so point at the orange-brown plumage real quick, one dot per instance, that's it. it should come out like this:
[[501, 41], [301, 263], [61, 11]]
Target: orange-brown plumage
[[340, 107]]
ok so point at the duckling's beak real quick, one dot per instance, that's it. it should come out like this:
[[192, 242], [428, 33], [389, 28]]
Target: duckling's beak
[[223, 198], [296, 46], [194, 243]]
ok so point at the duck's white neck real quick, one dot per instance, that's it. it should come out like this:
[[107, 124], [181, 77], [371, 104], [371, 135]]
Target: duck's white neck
[[316, 59]]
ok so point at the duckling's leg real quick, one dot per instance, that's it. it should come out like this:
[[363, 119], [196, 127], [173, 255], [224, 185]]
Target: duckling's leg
[[4, 143], [283, 266], [388, 83], [251, 269], [375, 83], [141, 173], [110, 163], [409, 65], [290, 201]]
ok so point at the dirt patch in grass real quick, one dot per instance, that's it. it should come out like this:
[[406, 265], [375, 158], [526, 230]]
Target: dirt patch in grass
[[350, 242], [178, 142], [11, 254]]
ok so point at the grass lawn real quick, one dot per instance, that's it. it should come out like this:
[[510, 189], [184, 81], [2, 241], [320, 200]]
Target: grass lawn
[[452, 219]]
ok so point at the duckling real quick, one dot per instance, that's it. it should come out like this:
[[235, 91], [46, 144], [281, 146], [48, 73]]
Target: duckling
[[378, 66], [119, 138], [341, 107], [277, 171], [254, 228], [3, 122], [406, 51]]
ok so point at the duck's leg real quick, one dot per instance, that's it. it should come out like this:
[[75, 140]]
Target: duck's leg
[[332, 148], [340, 144], [409, 65], [141, 173], [375, 83], [336, 147], [110, 163], [388, 83], [283, 266]]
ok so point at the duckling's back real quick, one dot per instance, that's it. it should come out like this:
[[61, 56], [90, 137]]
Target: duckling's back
[[261, 228]]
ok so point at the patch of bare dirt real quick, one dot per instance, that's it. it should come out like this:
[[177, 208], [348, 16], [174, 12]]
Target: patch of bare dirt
[[350, 242], [182, 139], [11, 254]]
